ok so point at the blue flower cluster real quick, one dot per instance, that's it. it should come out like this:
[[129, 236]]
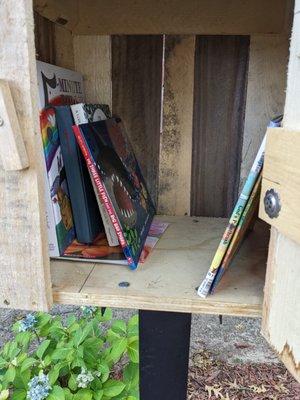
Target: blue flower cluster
[[84, 378], [27, 323], [39, 387], [89, 311]]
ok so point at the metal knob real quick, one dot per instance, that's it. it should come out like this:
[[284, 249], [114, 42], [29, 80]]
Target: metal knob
[[272, 203]]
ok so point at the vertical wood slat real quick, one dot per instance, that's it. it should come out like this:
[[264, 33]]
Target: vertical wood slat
[[136, 97], [25, 272], [221, 64], [176, 138], [44, 39]]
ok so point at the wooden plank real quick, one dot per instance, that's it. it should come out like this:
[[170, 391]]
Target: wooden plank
[[282, 173], [208, 17], [44, 39], [136, 98], [97, 71], [168, 279], [281, 315], [176, 137], [64, 52], [221, 64], [265, 92], [12, 149], [24, 273]]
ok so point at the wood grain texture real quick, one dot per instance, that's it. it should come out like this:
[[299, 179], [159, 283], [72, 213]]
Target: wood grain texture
[[168, 279], [24, 273], [12, 149], [221, 64], [281, 316], [64, 52], [92, 57], [282, 173], [44, 39], [176, 137], [136, 98], [207, 17], [265, 92]]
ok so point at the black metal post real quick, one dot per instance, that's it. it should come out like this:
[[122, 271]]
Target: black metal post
[[164, 355]]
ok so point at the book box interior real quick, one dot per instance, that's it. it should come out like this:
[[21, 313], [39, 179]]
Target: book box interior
[[196, 107]]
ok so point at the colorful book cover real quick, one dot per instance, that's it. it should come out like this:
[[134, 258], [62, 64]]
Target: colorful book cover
[[120, 185], [255, 171], [56, 86], [100, 251], [82, 114], [247, 219]]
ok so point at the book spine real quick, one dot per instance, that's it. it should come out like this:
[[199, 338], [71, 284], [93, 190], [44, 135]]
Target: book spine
[[243, 225], [204, 288], [104, 198]]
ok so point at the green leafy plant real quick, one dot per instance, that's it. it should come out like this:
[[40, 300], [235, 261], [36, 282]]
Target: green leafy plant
[[75, 360]]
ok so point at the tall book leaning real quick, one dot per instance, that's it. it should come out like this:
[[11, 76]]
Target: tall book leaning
[[238, 222], [119, 183]]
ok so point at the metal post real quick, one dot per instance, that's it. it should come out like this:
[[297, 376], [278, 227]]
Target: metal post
[[164, 355]]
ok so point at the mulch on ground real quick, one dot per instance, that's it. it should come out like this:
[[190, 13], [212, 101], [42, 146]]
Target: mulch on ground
[[217, 380]]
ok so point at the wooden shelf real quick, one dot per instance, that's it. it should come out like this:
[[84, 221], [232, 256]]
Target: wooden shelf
[[168, 279]]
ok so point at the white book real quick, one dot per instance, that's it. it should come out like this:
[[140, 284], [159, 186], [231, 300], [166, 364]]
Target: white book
[[82, 114]]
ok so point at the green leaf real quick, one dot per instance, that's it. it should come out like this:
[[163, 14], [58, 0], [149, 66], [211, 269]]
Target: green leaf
[[53, 375], [81, 334], [71, 319], [83, 394], [68, 394], [107, 315], [112, 388], [60, 354], [3, 363], [43, 319], [131, 375], [19, 394], [4, 395], [72, 383], [119, 327], [10, 374], [98, 395], [57, 393], [133, 326], [104, 369], [118, 348], [133, 351], [22, 379], [42, 348], [23, 338], [29, 362]]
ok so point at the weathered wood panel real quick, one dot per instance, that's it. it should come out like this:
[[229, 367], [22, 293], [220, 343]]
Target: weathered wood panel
[[54, 43], [265, 92], [44, 39], [136, 97], [92, 57], [206, 17], [281, 314], [25, 272], [221, 64], [176, 138]]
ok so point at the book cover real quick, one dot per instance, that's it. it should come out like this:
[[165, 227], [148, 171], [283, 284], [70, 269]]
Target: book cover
[[56, 86], [119, 183], [86, 215], [84, 113], [247, 219], [238, 210], [100, 251]]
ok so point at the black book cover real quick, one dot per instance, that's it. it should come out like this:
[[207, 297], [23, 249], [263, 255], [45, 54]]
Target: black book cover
[[87, 219]]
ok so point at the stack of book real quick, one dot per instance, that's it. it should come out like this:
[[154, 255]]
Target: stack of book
[[242, 218], [98, 205]]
